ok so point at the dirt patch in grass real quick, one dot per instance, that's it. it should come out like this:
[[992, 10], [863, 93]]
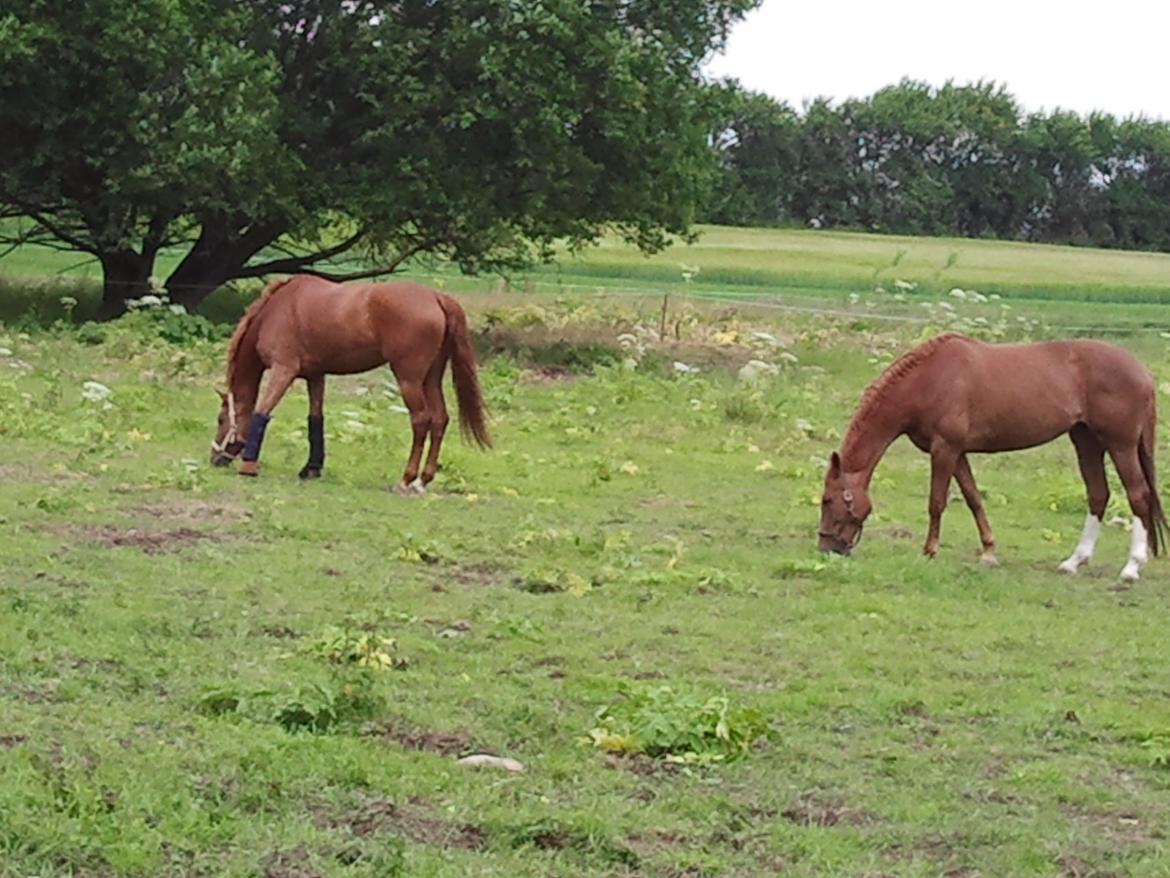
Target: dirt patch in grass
[[196, 511], [7, 742], [1121, 829], [289, 864], [479, 575], [152, 542], [642, 765], [815, 811], [546, 375], [1074, 867], [27, 473], [373, 815], [408, 737]]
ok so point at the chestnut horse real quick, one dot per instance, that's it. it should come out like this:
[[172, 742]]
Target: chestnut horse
[[307, 327], [953, 395]]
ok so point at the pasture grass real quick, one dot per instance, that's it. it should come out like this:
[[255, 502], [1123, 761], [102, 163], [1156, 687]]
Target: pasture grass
[[173, 701], [1073, 286]]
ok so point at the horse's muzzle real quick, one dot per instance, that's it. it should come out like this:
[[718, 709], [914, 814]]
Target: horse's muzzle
[[227, 455], [832, 543]]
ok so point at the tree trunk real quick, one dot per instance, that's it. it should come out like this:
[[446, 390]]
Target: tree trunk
[[125, 275], [220, 254]]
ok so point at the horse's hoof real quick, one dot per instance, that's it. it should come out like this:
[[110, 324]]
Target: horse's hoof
[[1128, 575], [988, 560], [310, 472], [250, 468], [414, 489], [1069, 567]]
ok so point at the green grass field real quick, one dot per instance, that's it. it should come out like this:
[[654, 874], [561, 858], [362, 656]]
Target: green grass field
[[1069, 285], [176, 691]]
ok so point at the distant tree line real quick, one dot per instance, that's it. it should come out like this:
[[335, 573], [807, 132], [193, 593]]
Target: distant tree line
[[956, 160]]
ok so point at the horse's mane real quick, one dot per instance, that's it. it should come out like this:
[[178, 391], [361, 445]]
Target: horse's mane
[[894, 373], [250, 315]]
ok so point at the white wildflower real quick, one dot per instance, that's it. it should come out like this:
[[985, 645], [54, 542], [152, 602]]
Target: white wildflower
[[958, 294], [684, 369], [905, 285], [5, 352], [95, 391], [789, 358], [756, 370]]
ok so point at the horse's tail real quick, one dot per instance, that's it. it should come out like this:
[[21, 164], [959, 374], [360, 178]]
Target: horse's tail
[[1157, 525], [472, 412]]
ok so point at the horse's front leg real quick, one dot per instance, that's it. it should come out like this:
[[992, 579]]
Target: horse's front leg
[[942, 466], [278, 384], [312, 469], [966, 480]]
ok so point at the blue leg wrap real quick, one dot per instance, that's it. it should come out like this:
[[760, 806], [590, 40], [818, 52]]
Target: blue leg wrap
[[256, 428]]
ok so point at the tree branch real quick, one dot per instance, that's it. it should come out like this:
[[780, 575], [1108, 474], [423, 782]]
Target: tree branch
[[57, 231], [389, 268], [294, 264]]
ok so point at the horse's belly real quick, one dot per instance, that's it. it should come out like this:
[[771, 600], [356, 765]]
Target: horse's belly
[[346, 362], [1008, 436]]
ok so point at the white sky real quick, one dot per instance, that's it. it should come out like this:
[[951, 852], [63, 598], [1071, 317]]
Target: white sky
[[1112, 56]]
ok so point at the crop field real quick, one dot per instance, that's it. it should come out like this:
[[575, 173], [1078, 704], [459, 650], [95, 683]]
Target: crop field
[[203, 675]]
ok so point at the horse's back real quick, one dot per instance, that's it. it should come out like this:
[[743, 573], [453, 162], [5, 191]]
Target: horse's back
[[347, 328]]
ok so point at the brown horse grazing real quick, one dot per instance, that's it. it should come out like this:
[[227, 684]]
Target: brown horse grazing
[[953, 395], [307, 327]]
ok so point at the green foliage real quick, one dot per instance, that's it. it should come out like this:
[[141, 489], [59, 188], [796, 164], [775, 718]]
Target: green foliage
[[157, 316], [490, 133], [954, 160], [678, 726], [317, 707], [366, 650]]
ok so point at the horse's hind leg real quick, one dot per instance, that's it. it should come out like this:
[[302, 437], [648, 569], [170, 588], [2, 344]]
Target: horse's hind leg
[[420, 425], [1091, 458], [1138, 491], [312, 469], [966, 480], [437, 406]]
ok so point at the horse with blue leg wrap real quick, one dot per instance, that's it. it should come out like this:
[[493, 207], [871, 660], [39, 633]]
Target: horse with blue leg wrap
[[307, 327]]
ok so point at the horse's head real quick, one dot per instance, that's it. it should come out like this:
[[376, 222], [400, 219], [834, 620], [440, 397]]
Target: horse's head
[[844, 508], [228, 442]]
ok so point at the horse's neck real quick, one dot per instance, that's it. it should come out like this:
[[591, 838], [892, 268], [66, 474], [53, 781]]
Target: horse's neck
[[246, 371], [875, 427]]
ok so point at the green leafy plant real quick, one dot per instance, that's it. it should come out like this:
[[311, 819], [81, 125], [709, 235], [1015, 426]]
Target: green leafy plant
[[316, 707], [340, 646], [677, 726]]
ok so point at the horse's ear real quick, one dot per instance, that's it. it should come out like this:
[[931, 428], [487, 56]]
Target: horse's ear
[[834, 465]]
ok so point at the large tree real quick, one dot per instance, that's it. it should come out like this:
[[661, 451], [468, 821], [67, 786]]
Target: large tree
[[277, 135]]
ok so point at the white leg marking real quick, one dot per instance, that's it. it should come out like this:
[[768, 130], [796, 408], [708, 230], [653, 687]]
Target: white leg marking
[[1084, 550], [1139, 552], [417, 486]]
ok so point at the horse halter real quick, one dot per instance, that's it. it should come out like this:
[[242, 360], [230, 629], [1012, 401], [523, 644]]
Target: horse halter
[[232, 437]]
